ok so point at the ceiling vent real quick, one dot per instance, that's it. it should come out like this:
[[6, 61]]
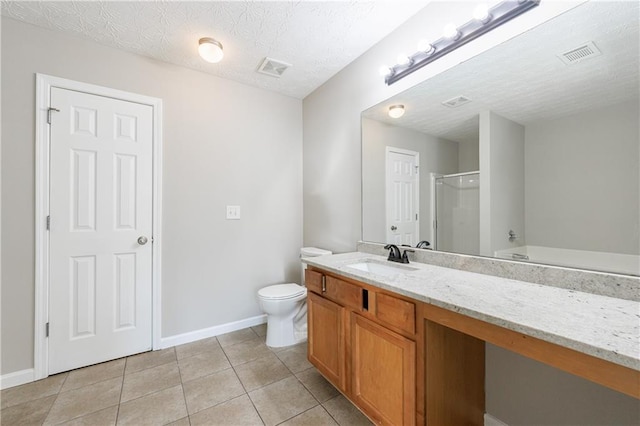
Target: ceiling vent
[[579, 54], [273, 67], [456, 102]]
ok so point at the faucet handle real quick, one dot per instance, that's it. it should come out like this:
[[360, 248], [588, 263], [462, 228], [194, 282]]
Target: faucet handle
[[405, 258]]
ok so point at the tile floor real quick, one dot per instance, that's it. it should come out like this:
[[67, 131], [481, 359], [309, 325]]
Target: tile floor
[[234, 379]]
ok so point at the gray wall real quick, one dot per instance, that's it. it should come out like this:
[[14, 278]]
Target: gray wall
[[332, 204], [501, 183], [579, 172], [224, 143], [436, 156]]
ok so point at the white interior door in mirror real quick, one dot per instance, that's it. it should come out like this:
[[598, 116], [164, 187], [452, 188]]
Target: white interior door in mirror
[[401, 196], [101, 223]]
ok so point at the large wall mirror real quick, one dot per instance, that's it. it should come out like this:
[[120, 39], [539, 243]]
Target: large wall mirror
[[529, 151]]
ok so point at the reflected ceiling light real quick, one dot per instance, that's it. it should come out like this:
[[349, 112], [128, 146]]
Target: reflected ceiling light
[[396, 111], [210, 50], [485, 19]]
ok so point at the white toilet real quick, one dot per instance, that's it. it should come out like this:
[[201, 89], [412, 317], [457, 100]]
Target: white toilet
[[286, 308]]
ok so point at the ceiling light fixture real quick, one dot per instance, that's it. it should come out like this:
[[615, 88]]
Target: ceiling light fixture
[[210, 50], [485, 19], [396, 111]]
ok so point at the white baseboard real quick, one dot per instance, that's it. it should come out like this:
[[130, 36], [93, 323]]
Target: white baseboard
[[192, 336], [489, 420], [17, 378]]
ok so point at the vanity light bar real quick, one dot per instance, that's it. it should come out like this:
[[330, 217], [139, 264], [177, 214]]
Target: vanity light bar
[[497, 15]]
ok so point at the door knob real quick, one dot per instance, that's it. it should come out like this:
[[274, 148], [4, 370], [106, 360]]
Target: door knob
[[393, 227], [142, 240]]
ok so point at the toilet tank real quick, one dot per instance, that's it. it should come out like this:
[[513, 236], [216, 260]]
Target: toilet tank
[[311, 252]]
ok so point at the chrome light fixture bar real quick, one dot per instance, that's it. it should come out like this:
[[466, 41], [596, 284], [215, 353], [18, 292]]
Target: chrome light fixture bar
[[456, 37]]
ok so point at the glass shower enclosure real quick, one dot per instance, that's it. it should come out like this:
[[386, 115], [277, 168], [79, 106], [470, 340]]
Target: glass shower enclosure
[[457, 213]]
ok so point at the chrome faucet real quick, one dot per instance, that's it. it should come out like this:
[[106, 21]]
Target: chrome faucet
[[394, 254]]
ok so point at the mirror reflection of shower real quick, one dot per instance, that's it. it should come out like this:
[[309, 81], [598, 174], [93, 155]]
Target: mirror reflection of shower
[[457, 212]]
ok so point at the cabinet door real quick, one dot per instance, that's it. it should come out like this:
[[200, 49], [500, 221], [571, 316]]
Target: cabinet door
[[326, 341], [383, 371]]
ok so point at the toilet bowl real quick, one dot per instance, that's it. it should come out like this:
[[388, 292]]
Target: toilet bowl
[[286, 307], [282, 303]]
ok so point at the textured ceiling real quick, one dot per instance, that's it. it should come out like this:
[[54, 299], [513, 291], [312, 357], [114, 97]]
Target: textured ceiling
[[318, 38], [523, 79]]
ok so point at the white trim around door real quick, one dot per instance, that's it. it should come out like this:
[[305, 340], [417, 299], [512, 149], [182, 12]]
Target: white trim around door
[[44, 84]]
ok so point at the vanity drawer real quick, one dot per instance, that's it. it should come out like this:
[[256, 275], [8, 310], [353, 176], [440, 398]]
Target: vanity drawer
[[396, 312], [344, 293], [313, 281]]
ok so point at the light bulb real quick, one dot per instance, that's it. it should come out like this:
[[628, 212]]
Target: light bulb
[[384, 71], [396, 111], [403, 59], [451, 31], [481, 13], [425, 46], [210, 50]]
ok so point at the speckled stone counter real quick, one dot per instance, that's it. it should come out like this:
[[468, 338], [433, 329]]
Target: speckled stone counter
[[597, 325]]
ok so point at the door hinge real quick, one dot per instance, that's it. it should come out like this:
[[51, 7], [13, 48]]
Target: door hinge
[[49, 110], [47, 330], [416, 216], [48, 223]]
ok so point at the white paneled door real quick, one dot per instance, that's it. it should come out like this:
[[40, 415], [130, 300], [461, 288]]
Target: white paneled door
[[100, 298], [402, 186]]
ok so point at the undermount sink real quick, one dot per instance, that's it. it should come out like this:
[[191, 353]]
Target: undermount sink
[[379, 268]]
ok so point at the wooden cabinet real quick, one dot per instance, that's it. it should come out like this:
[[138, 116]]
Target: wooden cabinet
[[326, 342], [383, 372], [363, 340]]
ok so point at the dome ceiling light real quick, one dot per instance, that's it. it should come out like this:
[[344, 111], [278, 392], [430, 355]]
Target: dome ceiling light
[[210, 50]]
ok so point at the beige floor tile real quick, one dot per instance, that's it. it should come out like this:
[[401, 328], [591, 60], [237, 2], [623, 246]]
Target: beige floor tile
[[345, 413], [282, 400], [295, 358], [202, 364], [149, 360], [94, 374], [27, 413], [317, 416], [247, 351], [261, 372], [150, 381], [156, 409], [182, 422], [238, 412], [86, 400], [197, 347], [211, 390], [319, 387], [32, 391], [106, 417], [260, 330], [236, 337]]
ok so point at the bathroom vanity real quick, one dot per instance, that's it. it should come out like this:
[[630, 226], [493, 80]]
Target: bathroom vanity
[[407, 345]]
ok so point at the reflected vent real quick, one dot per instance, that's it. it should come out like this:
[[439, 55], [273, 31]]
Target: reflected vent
[[456, 102], [579, 54], [273, 67]]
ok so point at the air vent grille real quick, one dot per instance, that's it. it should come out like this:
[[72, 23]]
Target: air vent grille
[[579, 54], [273, 67], [457, 101]]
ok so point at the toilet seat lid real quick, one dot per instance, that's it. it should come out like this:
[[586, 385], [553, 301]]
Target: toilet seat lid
[[281, 291]]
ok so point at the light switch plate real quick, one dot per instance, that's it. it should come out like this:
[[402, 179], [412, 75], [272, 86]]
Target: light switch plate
[[233, 212]]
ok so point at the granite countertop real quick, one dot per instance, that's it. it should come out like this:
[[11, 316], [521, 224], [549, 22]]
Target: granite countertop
[[601, 326]]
